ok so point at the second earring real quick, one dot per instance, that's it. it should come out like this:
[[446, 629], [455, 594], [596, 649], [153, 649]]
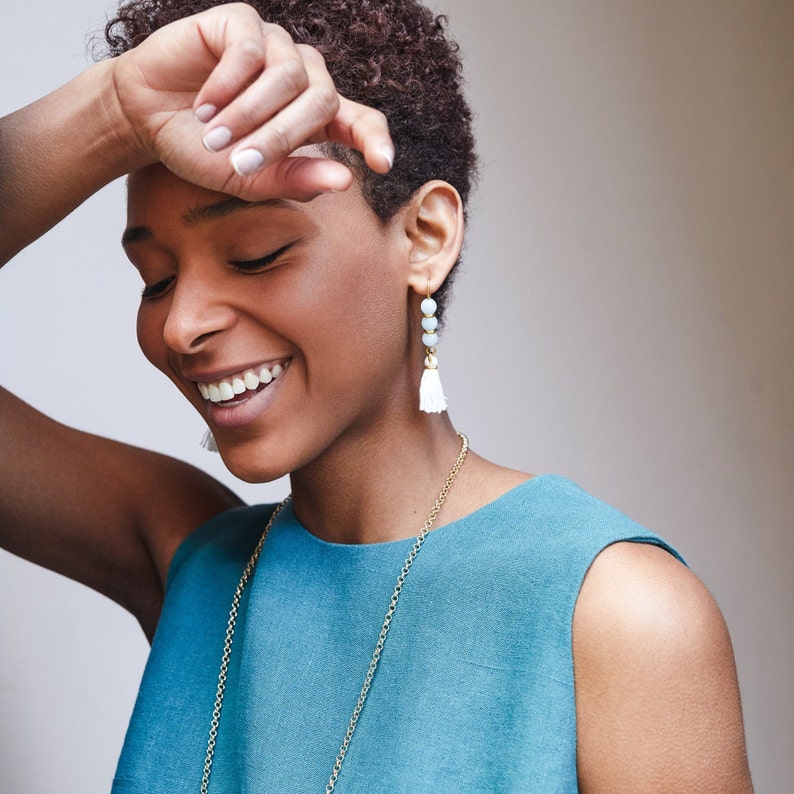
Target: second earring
[[431, 393]]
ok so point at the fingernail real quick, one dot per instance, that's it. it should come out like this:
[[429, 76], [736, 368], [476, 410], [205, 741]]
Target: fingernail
[[205, 112], [216, 139], [388, 153], [247, 162]]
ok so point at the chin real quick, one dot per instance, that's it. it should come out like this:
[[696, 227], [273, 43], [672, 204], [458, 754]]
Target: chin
[[248, 467]]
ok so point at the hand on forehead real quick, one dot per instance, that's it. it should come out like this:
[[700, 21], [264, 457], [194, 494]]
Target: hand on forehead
[[223, 99]]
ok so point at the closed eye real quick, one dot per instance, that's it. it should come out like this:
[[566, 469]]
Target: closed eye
[[155, 290], [255, 265]]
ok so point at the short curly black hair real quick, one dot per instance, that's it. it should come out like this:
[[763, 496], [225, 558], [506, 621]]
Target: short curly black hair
[[393, 55]]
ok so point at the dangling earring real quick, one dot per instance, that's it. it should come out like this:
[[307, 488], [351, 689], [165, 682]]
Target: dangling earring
[[431, 394], [208, 441]]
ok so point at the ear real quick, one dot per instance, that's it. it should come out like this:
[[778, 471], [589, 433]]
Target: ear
[[433, 223]]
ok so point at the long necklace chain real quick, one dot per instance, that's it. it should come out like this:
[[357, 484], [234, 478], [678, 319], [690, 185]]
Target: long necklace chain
[[376, 654]]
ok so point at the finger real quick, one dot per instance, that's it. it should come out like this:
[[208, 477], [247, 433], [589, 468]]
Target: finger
[[298, 178], [304, 119], [294, 111], [247, 49], [359, 128], [365, 129], [277, 86]]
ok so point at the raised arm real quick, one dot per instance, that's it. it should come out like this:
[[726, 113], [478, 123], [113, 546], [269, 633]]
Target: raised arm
[[192, 81], [97, 511], [58, 151], [103, 513]]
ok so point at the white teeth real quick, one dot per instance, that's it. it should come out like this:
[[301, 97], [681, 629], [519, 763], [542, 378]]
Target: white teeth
[[225, 390]]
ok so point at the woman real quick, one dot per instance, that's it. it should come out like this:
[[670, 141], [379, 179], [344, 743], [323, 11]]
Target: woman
[[285, 298]]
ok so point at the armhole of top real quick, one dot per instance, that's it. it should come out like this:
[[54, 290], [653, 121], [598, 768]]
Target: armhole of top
[[650, 539], [197, 538], [236, 519]]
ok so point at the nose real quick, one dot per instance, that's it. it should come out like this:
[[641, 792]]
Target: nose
[[197, 312]]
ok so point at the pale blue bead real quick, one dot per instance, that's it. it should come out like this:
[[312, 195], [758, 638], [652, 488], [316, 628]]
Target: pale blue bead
[[429, 340], [429, 306], [429, 324]]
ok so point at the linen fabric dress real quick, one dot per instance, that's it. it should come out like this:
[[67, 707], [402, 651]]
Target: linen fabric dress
[[475, 688]]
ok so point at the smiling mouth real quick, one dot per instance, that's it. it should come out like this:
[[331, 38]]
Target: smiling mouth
[[240, 386]]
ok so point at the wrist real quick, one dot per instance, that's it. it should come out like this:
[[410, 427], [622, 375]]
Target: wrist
[[113, 140], [59, 150]]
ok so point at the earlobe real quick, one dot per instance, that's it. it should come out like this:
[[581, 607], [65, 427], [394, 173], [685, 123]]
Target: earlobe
[[434, 227]]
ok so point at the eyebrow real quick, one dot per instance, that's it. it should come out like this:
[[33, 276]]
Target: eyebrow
[[228, 206], [207, 212]]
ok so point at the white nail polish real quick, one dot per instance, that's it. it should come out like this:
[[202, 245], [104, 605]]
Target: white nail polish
[[205, 112], [216, 139], [247, 162], [388, 153]]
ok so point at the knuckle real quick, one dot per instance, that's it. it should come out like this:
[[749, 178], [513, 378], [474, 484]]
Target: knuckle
[[251, 52], [279, 139], [270, 30], [326, 101], [310, 54], [370, 121], [245, 13], [378, 117], [226, 84], [247, 116], [292, 75]]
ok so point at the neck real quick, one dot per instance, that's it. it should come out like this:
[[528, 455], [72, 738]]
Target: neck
[[379, 485]]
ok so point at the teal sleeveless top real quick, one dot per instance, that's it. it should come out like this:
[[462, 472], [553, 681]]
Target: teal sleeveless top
[[475, 688]]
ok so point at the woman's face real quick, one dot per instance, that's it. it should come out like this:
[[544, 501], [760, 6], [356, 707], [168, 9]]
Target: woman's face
[[286, 325]]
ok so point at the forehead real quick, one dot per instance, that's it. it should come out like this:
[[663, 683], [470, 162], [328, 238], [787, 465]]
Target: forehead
[[155, 183], [154, 190], [155, 193]]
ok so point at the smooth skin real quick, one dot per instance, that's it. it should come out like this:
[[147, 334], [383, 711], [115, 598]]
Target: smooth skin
[[657, 701]]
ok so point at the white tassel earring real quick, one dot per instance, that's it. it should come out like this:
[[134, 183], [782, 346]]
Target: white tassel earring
[[208, 441], [431, 394]]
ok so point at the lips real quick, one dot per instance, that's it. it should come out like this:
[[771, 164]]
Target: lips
[[240, 385]]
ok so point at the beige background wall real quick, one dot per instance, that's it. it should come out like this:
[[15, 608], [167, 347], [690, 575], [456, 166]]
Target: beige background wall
[[624, 318]]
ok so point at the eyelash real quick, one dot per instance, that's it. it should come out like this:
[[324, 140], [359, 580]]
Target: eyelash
[[244, 266], [154, 290], [255, 265]]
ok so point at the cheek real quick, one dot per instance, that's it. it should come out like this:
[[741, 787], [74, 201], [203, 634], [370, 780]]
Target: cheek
[[149, 330], [356, 323], [360, 294]]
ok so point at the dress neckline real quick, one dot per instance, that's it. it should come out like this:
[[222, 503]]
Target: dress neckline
[[295, 525]]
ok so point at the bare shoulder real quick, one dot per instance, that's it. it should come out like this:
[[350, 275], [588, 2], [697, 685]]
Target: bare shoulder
[[657, 700]]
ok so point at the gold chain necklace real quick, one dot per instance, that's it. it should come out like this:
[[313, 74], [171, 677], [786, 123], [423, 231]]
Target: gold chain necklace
[[376, 654]]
